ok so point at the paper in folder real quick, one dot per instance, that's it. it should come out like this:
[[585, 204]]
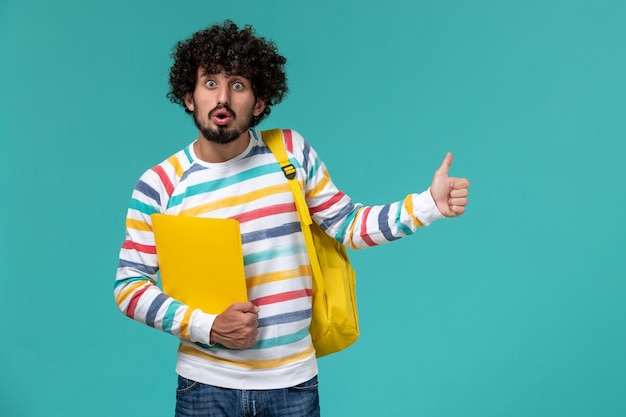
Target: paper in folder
[[200, 261]]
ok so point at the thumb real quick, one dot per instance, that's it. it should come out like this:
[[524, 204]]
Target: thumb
[[445, 165]]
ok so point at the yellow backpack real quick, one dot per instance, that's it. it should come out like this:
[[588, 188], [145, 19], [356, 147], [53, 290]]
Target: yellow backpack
[[334, 321]]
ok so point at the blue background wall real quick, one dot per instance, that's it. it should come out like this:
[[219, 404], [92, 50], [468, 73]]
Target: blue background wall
[[515, 309]]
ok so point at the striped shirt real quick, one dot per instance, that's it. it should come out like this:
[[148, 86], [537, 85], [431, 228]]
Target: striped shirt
[[252, 189]]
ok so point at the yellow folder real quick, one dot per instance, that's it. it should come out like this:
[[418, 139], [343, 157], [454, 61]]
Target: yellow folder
[[200, 261]]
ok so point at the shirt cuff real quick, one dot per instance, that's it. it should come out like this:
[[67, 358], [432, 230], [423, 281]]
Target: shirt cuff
[[425, 208], [200, 327]]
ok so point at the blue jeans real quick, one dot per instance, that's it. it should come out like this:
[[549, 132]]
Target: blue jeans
[[194, 399]]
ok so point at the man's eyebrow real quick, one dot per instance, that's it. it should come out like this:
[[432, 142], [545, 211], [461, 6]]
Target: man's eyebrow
[[214, 71]]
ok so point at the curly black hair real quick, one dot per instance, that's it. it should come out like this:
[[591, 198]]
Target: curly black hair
[[228, 48]]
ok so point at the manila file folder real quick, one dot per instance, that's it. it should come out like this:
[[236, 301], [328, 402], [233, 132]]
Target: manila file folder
[[200, 261]]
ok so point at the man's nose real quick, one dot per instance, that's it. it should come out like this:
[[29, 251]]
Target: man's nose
[[223, 95]]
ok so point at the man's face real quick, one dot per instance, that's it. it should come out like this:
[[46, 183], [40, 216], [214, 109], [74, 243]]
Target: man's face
[[223, 106]]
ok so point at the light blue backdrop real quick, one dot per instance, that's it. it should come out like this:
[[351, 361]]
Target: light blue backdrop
[[516, 309]]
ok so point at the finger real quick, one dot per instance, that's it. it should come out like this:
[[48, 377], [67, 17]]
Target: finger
[[253, 323], [252, 309], [457, 210], [253, 334], [453, 202], [246, 307], [445, 165], [458, 183], [463, 192], [252, 339]]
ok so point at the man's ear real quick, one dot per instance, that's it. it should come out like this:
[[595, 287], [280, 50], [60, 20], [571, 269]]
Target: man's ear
[[189, 102], [259, 106]]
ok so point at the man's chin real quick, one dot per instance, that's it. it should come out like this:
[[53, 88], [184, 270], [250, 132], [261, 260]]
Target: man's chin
[[221, 135]]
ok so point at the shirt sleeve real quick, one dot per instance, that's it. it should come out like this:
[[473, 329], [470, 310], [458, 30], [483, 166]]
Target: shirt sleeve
[[136, 292], [353, 224]]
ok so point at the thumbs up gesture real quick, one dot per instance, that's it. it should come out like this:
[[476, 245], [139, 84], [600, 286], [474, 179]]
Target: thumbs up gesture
[[449, 193]]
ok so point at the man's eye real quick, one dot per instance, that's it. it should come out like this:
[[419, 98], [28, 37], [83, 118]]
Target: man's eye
[[238, 86], [211, 84]]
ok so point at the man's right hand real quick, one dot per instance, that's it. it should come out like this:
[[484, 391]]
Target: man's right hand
[[237, 326]]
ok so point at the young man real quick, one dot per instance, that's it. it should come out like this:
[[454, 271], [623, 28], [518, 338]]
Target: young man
[[256, 356]]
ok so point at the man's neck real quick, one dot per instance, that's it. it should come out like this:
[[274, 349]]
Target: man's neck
[[213, 152]]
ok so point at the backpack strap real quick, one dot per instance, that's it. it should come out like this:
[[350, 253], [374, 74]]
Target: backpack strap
[[274, 140]]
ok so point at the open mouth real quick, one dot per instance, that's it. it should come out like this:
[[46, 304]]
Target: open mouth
[[221, 116]]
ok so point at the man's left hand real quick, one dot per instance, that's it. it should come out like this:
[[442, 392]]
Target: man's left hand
[[449, 193]]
